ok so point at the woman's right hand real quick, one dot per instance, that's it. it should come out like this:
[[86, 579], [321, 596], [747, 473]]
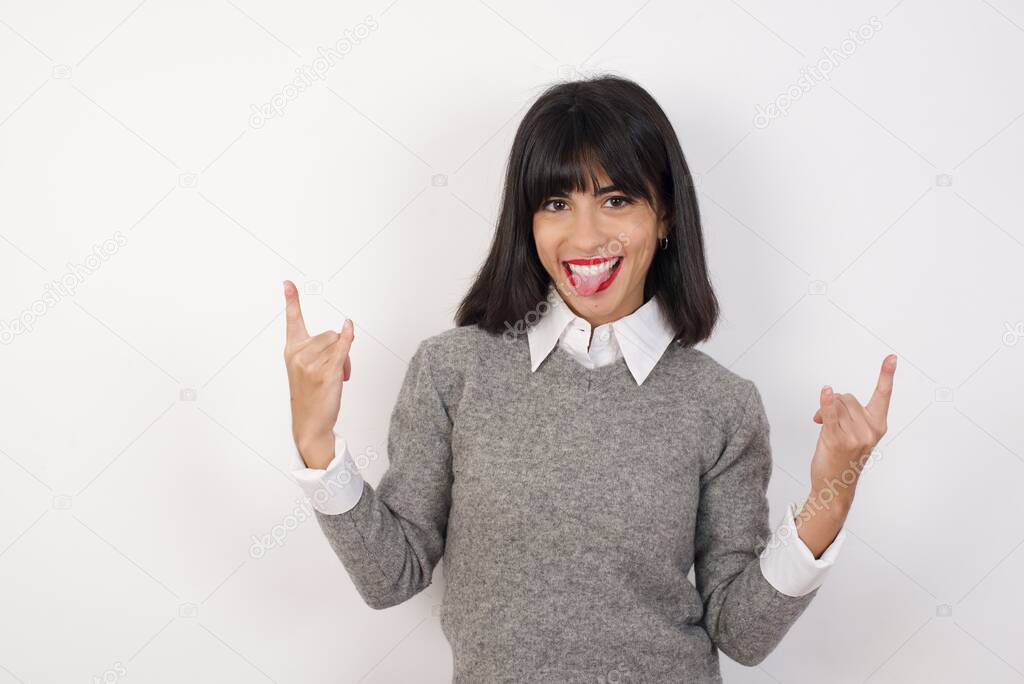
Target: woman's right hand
[[317, 367]]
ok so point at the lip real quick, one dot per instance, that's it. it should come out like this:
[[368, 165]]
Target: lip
[[590, 262]]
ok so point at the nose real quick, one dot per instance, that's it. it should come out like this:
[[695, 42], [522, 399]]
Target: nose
[[588, 233]]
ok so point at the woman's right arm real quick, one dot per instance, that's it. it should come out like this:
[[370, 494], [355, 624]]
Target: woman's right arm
[[392, 538]]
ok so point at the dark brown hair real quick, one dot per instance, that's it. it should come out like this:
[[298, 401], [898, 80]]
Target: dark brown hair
[[572, 129]]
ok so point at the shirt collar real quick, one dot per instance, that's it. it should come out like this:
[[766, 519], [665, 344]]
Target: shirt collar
[[642, 335]]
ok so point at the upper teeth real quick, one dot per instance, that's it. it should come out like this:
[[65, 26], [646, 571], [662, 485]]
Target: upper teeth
[[595, 269]]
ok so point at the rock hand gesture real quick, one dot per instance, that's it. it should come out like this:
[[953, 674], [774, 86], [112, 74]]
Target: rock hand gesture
[[317, 368], [849, 432]]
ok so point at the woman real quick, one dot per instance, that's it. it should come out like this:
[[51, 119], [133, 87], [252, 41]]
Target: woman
[[565, 447]]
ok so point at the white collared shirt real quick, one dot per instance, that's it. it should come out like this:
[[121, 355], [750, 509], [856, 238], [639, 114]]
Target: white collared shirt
[[641, 338]]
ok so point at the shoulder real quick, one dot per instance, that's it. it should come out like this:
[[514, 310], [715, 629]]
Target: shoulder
[[725, 394], [451, 353], [452, 348]]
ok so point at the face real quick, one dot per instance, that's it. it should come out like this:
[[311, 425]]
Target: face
[[597, 249]]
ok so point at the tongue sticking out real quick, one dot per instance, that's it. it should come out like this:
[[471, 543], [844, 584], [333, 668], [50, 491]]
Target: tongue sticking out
[[587, 284]]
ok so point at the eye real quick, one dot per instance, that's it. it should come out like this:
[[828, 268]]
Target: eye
[[620, 198], [552, 201]]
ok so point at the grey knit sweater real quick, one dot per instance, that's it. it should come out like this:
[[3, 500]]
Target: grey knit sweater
[[569, 505]]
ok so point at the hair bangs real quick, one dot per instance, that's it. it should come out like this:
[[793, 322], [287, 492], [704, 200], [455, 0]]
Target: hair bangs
[[569, 150]]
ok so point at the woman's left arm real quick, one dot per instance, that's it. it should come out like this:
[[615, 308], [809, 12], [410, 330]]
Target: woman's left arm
[[745, 614]]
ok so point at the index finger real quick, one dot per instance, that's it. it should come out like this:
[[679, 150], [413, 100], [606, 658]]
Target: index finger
[[293, 313], [878, 405]]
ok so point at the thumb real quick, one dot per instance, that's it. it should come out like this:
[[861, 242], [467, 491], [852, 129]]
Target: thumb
[[827, 413]]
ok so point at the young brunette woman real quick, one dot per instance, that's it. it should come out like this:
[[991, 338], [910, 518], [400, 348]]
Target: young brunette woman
[[566, 449]]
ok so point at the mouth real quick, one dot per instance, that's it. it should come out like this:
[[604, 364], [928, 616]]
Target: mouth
[[590, 276]]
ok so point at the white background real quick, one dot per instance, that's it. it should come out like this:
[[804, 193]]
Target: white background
[[146, 439]]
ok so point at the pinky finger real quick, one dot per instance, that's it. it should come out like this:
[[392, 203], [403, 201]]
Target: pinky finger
[[829, 415]]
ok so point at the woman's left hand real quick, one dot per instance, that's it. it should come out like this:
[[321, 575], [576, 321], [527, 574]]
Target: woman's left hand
[[849, 432]]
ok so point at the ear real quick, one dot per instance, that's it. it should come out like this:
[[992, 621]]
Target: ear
[[664, 226]]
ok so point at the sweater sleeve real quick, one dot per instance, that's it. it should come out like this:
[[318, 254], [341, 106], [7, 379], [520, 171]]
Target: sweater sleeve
[[745, 616], [394, 536]]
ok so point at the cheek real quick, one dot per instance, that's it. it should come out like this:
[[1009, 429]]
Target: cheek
[[638, 244], [640, 251], [539, 238], [547, 246]]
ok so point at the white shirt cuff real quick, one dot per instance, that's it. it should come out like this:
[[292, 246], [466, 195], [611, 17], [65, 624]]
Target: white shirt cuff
[[335, 489], [789, 565]]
